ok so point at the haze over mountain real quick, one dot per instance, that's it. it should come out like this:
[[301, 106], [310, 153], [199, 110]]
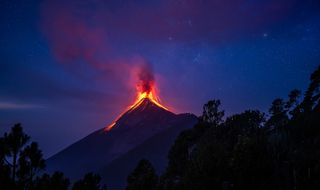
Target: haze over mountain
[[144, 131]]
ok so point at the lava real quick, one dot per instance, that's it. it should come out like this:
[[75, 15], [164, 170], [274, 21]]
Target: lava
[[151, 95]]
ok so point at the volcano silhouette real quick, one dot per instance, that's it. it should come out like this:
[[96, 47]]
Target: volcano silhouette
[[146, 131]]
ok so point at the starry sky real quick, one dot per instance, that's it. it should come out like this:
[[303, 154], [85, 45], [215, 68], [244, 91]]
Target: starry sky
[[66, 66]]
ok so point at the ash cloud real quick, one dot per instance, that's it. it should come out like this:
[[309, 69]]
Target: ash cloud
[[146, 78]]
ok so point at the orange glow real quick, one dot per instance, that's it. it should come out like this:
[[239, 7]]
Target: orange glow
[[150, 96], [140, 97]]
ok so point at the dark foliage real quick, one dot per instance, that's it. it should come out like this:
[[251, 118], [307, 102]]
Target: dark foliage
[[14, 142], [143, 177], [21, 163], [211, 113], [89, 182], [251, 150], [5, 180], [30, 163], [55, 182]]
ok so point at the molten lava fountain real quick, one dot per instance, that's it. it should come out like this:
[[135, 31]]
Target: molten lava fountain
[[144, 92]]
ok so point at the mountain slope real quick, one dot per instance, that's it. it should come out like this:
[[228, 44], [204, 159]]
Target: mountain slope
[[102, 147], [155, 149]]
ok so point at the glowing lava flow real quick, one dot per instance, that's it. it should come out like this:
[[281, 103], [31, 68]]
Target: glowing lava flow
[[141, 96]]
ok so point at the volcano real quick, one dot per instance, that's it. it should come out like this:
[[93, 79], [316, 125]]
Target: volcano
[[146, 130]]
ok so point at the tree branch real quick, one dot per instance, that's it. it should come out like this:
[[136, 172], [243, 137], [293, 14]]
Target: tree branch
[[8, 162]]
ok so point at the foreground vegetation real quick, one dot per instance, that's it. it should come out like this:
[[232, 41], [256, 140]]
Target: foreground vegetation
[[21, 164], [250, 150]]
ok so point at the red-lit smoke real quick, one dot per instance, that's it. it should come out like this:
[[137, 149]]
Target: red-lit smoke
[[146, 78]]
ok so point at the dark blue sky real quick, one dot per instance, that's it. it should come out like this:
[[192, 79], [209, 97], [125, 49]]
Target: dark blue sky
[[65, 67]]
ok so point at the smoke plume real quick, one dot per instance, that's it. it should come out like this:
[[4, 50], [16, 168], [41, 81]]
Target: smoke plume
[[146, 78]]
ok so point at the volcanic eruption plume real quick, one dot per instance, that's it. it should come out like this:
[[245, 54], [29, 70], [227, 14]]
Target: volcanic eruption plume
[[145, 89], [146, 79]]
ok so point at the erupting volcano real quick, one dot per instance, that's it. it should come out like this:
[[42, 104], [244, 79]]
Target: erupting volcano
[[141, 97], [146, 129], [146, 90]]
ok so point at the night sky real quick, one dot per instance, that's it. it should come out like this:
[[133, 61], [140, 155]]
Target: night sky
[[66, 66]]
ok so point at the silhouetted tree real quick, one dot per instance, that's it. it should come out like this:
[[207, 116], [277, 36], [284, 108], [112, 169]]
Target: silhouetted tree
[[179, 154], [293, 100], [15, 141], [30, 163], [181, 151], [251, 162], [211, 113], [312, 96], [5, 181], [222, 149], [55, 182], [89, 182], [249, 152], [143, 177], [278, 113], [27, 161]]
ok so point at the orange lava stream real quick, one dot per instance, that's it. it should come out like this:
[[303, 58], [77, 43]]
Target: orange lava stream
[[140, 97]]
